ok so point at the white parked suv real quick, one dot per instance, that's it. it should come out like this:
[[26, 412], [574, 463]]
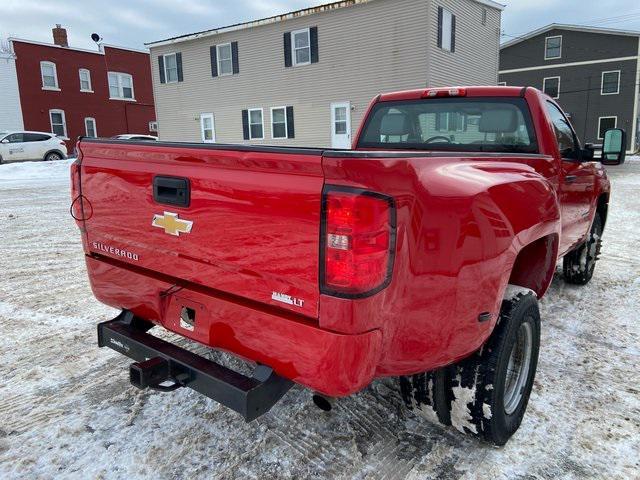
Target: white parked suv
[[16, 146]]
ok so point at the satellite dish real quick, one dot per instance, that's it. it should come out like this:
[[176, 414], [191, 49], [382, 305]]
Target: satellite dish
[[95, 37]]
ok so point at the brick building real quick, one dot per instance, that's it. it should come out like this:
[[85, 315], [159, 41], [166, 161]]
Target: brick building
[[75, 92]]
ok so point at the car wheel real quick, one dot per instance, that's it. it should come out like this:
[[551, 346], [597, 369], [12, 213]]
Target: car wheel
[[579, 264], [486, 394], [52, 156]]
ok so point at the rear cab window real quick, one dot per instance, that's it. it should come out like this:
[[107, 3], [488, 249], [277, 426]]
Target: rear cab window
[[483, 124]]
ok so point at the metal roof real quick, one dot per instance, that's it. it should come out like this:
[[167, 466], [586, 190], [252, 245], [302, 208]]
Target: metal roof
[[565, 26], [280, 18]]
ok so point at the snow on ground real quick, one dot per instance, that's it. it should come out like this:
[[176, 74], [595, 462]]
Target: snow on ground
[[68, 411]]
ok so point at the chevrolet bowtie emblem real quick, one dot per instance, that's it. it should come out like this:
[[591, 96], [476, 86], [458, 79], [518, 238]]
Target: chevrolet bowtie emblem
[[172, 224]]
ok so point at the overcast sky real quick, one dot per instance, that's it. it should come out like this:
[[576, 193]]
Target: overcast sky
[[131, 23]]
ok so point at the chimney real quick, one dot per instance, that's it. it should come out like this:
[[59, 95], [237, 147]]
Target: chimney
[[60, 36]]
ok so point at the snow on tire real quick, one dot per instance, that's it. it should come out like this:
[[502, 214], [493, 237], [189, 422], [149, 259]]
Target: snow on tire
[[491, 388], [487, 393], [579, 264], [427, 394]]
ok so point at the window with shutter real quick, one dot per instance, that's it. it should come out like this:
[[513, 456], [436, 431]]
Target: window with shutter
[[225, 59], [279, 122], [256, 126], [301, 47], [170, 68]]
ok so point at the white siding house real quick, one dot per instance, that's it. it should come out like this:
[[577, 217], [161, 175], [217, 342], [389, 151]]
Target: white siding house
[[10, 111], [306, 78]]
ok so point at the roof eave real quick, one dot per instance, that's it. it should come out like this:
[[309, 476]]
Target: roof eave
[[564, 26], [280, 18]]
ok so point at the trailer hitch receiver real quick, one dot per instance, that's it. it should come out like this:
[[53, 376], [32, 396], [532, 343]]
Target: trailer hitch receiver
[[158, 362]]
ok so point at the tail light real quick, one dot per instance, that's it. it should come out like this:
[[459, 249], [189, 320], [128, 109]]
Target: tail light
[[77, 208], [358, 242]]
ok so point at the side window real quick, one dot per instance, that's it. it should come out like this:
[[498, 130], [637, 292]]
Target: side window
[[35, 137], [16, 138], [563, 130]]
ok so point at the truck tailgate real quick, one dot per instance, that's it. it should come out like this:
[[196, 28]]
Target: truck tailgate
[[250, 228]]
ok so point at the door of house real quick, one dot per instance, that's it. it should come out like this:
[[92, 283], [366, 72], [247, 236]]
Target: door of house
[[208, 128], [341, 125]]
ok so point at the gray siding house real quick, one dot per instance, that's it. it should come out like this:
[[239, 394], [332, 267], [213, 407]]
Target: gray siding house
[[306, 78], [594, 73]]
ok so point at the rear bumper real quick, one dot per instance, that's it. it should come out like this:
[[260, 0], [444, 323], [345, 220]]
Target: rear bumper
[[295, 348]]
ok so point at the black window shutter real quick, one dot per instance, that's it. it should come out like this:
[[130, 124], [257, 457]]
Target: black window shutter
[[179, 64], [440, 13], [234, 57], [161, 67], [291, 130], [313, 37], [213, 53], [453, 33], [438, 122], [245, 124], [287, 49]]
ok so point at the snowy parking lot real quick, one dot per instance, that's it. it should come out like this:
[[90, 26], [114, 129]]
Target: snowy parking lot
[[67, 409]]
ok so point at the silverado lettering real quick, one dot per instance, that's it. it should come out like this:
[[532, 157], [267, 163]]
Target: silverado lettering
[[420, 254], [118, 252]]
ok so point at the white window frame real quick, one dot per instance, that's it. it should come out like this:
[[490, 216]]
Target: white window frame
[[617, 92], [55, 75], [251, 137], [64, 122], [615, 125], [286, 123], [447, 30], [164, 66], [502, 84], [88, 72], [95, 127], [544, 85], [294, 59], [119, 76], [213, 127], [546, 42], [219, 59]]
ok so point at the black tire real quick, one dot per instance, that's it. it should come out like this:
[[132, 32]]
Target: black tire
[[52, 156], [428, 395], [578, 265], [473, 391]]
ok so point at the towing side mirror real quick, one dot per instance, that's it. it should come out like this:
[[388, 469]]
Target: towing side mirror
[[614, 147]]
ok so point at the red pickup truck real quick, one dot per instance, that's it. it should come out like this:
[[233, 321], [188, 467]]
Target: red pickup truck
[[421, 253]]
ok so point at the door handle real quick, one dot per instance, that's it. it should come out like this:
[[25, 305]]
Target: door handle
[[570, 178]]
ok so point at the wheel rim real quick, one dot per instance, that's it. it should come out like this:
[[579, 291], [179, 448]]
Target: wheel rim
[[518, 368], [54, 156]]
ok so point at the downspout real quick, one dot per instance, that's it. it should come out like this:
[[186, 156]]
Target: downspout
[[634, 120]]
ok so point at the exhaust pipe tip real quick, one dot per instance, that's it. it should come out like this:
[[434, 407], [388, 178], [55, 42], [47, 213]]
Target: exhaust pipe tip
[[323, 403]]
